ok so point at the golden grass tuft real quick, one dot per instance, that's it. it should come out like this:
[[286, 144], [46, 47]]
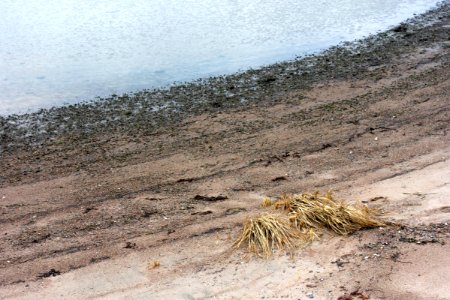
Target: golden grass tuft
[[315, 210], [266, 232], [306, 213], [267, 202], [284, 202], [309, 235]]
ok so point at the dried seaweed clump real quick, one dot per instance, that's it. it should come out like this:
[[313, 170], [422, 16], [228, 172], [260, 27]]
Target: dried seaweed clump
[[306, 213], [266, 232], [314, 211]]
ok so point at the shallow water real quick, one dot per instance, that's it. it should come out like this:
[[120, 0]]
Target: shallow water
[[57, 52]]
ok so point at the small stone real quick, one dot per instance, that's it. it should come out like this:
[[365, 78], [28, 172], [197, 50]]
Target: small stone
[[310, 295]]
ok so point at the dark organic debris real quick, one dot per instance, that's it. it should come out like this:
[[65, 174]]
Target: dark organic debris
[[325, 146], [400, 28], [88, 209], [209, 231], [210, 198], [40, 238], [50, 273], [340, 263], [418, 241], [377, 198], [266, 80], [234, 210], [422, 235], [358, 294], [185, 180], [99, 259], [275, 158], [212, 230], [202, 213], [145, 212], [130, 245], [279, 178]]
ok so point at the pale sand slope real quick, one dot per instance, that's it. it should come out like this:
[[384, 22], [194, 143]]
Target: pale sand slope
[[203, 268]]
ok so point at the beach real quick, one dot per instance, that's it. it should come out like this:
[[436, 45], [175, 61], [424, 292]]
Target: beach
[[94, 192]]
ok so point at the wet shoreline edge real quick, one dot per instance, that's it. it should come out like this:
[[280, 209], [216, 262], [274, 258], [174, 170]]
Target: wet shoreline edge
[[145, 112]]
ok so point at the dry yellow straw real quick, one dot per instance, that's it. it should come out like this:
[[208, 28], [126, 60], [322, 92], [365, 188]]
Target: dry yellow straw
[[266, 232], [266, 202], [305, 213], [314, 210]]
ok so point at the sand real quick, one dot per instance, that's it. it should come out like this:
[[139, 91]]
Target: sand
[[97, 207]]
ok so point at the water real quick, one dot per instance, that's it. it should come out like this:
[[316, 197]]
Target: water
[[54, 52]]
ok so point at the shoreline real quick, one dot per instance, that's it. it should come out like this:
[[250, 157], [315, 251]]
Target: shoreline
[[149, 110], [97, 84], [92, 208]]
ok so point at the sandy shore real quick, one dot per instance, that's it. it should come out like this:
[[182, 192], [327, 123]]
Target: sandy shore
[[93, 193]]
